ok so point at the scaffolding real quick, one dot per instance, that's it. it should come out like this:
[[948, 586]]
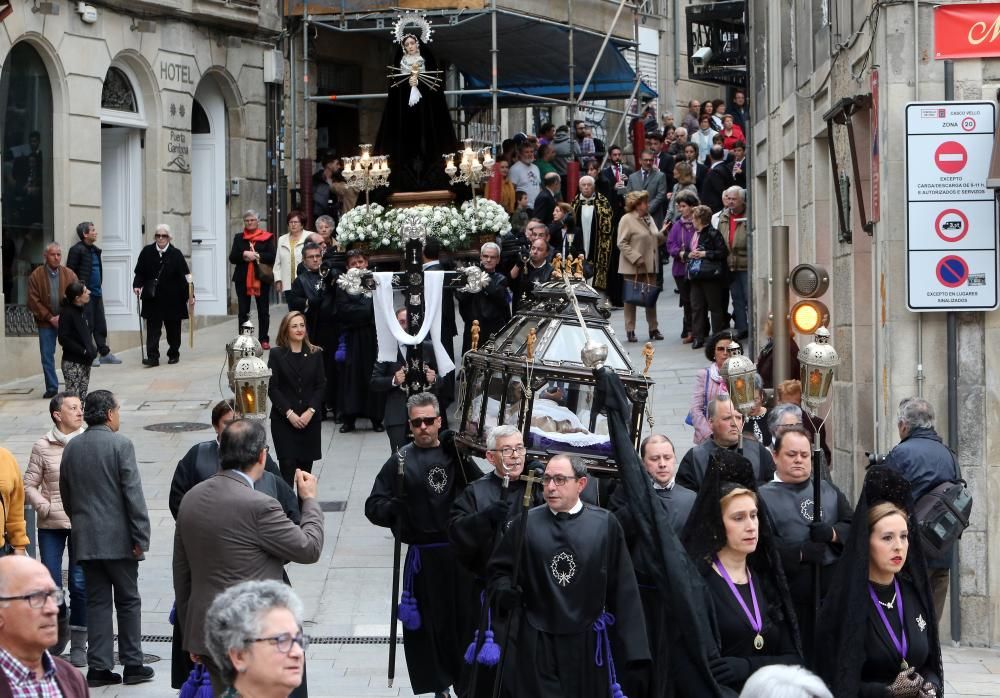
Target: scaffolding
[[380, 21]]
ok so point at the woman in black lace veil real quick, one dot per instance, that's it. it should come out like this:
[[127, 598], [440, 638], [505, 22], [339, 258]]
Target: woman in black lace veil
[[416, 136], [858, 656], [759, 582]]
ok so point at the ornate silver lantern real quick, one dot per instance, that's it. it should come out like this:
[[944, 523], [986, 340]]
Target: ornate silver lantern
[[818, 360], [740, 374], [250, 379], [244, 344]]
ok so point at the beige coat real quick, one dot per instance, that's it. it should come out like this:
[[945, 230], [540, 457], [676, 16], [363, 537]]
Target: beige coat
[[639, 242], [41, 481]]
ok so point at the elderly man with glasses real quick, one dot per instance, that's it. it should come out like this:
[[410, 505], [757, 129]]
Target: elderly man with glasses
[[161, 282], [29, 605], [413, 495], [491, 306]]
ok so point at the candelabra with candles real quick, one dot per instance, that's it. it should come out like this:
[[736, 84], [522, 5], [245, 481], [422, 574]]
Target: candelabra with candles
[[474, 167], [366, 171]]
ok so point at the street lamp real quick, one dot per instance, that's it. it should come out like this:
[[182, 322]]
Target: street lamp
[[740, 374]]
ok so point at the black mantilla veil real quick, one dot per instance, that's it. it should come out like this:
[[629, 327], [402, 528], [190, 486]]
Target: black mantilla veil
[[705, 535], [681, 588], [416, 137], [841, 651]]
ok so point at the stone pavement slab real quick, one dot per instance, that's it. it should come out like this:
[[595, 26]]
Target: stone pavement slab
[[346, 593]]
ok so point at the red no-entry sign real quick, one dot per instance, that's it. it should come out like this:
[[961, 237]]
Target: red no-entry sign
[[950, 157]]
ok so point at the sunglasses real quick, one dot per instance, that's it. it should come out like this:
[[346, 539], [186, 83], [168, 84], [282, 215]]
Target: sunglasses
[[160, 235], [426, 421]]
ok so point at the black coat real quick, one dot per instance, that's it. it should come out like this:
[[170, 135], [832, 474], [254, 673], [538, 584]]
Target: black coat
[[163, 281], [717, 180], [711, 241], [267, 249], [298, 382], [491, 307], [545, 204], [395, 396], [75, 336], [80, 259]]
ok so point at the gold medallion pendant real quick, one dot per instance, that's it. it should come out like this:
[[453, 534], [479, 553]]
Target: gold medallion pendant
[[758, 643]]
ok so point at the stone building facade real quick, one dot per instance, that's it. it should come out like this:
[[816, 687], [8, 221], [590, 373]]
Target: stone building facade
[[806, 59], [129, 115]]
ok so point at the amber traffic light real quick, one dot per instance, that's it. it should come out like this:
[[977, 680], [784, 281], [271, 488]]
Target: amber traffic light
[[809, 282]]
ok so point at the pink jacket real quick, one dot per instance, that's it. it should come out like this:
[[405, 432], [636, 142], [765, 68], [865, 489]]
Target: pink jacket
[[701, 396], [41, 481]]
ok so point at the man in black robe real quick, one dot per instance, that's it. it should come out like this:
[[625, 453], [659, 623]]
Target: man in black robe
[[479, 519], [307, 292], [802, 542], [660, 462], [726, 424], [491, 306], [438, 600], [356, 318], [581, 631]]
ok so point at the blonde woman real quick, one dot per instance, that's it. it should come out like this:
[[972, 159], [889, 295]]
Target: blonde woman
[[639, 241]]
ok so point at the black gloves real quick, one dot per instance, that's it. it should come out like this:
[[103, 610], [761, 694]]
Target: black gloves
[[497, 511], [730, 671], [812, 552], [507, 598], [821, 533], [447, 439]]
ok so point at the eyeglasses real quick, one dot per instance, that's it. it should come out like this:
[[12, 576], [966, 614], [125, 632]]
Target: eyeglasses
[[426, 421], [722, 348], [283, 643], [508, 451], [37, 599], [559, 480], [161, 235]]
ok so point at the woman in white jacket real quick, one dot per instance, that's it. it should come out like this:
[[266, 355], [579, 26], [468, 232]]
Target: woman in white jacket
[[41, 489], [290, 252]]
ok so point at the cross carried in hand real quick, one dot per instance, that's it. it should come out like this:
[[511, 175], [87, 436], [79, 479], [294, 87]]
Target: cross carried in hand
[[531, 479], [410, 282]]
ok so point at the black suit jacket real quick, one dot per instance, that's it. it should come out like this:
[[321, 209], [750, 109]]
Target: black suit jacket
[[295, 384], [545, 204], [163, 283], [717, 180], [395, 397]]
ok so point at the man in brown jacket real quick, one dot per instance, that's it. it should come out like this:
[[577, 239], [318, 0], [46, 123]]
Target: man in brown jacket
[[229, 533], [46, 288]]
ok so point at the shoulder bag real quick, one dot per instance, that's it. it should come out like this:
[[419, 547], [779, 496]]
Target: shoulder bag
[[639, 292], [265, 272]]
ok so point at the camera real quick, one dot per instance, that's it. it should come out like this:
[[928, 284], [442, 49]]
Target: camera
[[702, 57], [876, 458]]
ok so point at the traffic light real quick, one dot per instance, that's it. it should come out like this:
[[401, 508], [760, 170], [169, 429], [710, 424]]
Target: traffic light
[[809, 282]]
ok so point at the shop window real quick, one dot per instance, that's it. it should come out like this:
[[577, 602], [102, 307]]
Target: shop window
[[26, 166], [118, 93]]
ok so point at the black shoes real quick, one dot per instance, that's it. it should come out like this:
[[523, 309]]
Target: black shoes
[[655, 334], [150, 362], [49, 394], [104, 677], [631, 337], [377, 427], [173, 359], [137, 674], [346, 427], [698, 344]]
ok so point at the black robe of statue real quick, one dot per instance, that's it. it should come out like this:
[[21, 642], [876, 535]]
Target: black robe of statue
[[491, 307], [574, 568], [790, 508], [474, 536], [444, 591], [356, 319], [660, 626], [415, 138]]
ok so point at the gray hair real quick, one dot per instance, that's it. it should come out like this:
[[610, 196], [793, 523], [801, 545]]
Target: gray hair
[[779, 681], [501, 432], [712, 407], [97, 406], [240, 444], [251, 212], [325, 219], [779, 411], [586, 179], [53, 246], [165, 228], [237, 614], [680, 131], [737, 190], [915, 413], [488, 246], [423, 400], [579, 469]]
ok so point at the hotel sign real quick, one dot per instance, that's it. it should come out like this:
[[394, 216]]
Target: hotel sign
[[967, 30]]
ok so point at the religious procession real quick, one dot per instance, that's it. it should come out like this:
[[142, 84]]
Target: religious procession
[[444, 455]]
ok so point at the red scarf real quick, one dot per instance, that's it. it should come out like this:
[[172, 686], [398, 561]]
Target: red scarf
[[252, 236]]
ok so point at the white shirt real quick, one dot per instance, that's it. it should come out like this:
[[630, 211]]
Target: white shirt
[[575, 510], [244, 476], [586, 222], [668, 486], [526, 178]]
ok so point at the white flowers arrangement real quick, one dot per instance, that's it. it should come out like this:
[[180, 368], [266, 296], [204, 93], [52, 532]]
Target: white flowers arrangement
[[361, 224], [486, 216]]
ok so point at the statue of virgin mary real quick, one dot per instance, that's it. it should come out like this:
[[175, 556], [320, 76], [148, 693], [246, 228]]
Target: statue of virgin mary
[[416, 129]]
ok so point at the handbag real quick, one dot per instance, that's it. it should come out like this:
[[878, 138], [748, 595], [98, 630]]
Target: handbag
[[639, 292], [265, 272], [703, 270], [7, 548]]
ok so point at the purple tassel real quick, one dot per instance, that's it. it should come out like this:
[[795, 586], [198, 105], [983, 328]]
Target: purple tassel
[[341, 354], [173, 614], [198, 684], [489, 655], [205, 689], [470, 651], [408, 613], [616, 691]]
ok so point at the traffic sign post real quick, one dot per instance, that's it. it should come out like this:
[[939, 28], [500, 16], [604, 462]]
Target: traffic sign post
[[951, 232]]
